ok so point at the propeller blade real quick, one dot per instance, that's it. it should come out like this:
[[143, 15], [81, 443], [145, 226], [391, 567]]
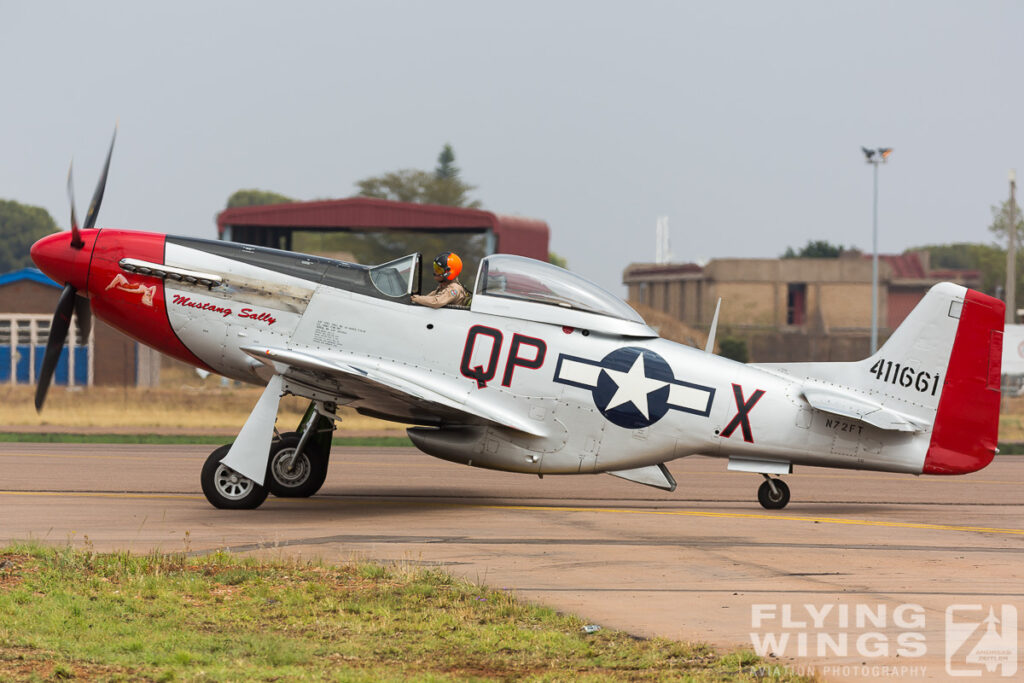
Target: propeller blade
[[83, 311], [76, 237], [55, 342], [97, 198]]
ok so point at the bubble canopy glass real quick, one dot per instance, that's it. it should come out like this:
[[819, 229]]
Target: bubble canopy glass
[[516, 277]]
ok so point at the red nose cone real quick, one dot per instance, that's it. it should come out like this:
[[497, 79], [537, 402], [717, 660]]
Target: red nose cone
[[63, 263]]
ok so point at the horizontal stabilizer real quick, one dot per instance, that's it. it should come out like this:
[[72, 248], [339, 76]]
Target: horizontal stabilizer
[[859, 408], [657, 476]]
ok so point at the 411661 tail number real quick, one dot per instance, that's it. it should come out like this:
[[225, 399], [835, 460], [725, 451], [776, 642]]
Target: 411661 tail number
[[905, 376]]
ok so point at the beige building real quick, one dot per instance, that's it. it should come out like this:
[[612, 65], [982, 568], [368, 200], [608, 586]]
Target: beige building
[[792, 309]]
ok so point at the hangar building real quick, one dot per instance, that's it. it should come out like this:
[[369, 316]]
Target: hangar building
[[373, 231]]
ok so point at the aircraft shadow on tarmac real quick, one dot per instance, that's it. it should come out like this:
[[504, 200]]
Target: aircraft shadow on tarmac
[[378, 502]]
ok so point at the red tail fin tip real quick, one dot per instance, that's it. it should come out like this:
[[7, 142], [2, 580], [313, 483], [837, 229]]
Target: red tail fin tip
[[967, 422]]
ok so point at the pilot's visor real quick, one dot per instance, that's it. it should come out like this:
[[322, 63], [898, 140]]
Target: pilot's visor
[[438, 268]]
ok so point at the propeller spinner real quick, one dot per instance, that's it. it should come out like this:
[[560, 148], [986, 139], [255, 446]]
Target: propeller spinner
[[71, 271]]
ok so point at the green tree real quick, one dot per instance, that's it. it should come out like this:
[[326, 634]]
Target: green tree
[[988, 259], [1001, 220], [446, 168], [256, 198], [557, 260], [405, 185], [734, 348], [444, 186], [817, 249], [994, 275], [20, 226]]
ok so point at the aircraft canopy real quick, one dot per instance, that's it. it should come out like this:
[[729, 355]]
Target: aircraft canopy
[[514, 277]]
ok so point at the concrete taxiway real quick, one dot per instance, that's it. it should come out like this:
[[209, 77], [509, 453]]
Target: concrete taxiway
[[863, 576]]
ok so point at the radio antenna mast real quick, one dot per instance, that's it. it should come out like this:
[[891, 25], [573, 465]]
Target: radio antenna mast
[[663, 246]]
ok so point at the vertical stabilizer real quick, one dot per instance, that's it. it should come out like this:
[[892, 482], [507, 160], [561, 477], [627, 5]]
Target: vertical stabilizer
[[938, 372]]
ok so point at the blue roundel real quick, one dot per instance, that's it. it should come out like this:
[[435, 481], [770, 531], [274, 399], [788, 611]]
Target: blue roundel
[[633, 387]]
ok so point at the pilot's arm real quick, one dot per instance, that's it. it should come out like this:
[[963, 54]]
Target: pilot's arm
[[452, 293]]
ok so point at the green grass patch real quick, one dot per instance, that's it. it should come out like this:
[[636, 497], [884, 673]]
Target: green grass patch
[[71, 614], [19, 437]]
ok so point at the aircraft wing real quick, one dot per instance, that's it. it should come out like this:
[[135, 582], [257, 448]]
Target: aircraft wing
[[386, 389]]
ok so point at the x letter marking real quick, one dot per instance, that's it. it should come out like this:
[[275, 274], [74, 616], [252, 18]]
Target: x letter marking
[[743, 409]]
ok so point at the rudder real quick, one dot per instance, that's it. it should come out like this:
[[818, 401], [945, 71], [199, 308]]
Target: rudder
[[966, 427]]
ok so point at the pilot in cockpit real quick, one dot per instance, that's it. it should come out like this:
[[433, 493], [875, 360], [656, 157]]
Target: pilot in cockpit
[[450, 291]]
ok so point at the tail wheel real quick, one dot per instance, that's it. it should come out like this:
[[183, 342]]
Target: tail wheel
[[298, 478], [773, 500], [227, 489]]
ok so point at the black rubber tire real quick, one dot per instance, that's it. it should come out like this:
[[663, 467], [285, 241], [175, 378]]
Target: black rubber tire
[[309, 471], [225, 488], [771, 501]]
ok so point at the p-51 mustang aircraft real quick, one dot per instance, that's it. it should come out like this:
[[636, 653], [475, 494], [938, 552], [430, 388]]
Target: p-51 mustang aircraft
[[544, 372]]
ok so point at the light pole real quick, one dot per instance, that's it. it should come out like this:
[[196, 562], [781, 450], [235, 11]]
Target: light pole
[[875, 157], [1011, 255]]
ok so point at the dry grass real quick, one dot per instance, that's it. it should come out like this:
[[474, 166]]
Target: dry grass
[[183, 401], [1011, 420], [187, 402], [200, 408], [671, 328]]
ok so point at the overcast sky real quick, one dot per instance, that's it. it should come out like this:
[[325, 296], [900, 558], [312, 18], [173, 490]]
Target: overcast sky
[[740, 121]]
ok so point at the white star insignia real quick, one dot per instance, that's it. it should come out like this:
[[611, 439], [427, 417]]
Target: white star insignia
[[633, 387]]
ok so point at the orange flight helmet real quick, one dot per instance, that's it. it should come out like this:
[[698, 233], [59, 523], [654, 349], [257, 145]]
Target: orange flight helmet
[[448, 264]]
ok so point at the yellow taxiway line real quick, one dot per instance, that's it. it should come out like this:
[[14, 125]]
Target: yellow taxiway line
[[784, 518], [98, 494], [554, 508]]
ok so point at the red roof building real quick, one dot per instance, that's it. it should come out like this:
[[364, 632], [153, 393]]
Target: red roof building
[[274, 225]]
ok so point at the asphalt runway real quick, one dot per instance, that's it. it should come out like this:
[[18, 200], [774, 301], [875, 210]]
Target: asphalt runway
[[863, 576]]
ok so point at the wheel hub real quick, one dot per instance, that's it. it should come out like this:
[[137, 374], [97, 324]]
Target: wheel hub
[[230, 484], [297, 475]]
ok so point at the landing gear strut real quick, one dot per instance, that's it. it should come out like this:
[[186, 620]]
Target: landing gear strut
[[296, 465], [295, 470], [773, 494], [298, 460]]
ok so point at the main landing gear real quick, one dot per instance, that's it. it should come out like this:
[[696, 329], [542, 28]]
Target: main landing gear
[[773, 494], [296, 467]]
